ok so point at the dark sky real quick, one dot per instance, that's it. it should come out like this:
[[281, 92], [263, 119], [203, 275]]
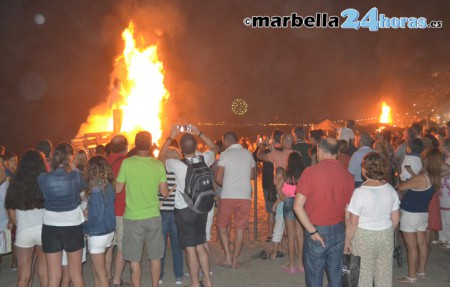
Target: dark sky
[[52, 74]]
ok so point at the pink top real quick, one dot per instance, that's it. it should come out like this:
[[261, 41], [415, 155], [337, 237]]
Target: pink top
[[289, 189]]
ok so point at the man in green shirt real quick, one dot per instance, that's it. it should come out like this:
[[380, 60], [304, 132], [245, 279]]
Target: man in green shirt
[[143, 176]]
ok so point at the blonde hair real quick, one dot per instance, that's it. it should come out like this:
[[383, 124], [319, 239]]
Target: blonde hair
[[432, 162]]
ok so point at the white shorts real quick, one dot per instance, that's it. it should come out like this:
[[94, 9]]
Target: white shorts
[[98, 244], [413, 221], [29, 237], [278, 227]]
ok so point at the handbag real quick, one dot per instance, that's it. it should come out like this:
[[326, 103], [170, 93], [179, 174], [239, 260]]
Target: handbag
[[350, 270], [5, 241]]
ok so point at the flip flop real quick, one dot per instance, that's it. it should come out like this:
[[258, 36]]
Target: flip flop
[[290, 270]]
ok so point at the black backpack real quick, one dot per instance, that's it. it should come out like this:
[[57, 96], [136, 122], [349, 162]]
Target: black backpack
[[198, 188]]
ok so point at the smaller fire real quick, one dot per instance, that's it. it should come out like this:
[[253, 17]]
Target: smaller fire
[[386, 116]]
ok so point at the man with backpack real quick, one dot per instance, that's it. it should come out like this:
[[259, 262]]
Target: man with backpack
[[194, 198]]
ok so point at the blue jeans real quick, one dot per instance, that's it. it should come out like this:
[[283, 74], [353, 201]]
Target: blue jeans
[[317, 258], [169, 228], [288, 209]]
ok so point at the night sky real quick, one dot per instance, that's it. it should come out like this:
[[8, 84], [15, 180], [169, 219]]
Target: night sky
[[52, 74]]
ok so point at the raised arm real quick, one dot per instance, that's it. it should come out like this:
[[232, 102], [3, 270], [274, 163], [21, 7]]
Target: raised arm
[[262, 155], [205, 139], [165, 148]]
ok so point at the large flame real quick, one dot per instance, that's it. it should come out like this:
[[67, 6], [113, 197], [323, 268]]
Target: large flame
[[385, 117], [143, 92]]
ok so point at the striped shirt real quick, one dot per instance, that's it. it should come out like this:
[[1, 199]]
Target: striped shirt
[[167, 204]]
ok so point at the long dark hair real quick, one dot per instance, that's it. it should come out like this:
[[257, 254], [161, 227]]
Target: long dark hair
[[24, 192], [62, 156], [98, 173], [294, 168]]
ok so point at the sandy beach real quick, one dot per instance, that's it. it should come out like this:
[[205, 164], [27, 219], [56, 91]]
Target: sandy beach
[[253, 272]]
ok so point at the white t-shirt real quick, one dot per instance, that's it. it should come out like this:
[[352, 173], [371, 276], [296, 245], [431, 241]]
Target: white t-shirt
[[238, 163], [416, 165], [374, 205], [179, 168], [29, 219], [345, 134], [65, 218]]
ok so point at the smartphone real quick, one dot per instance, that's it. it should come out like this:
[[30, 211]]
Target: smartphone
[[260, 139], [184, 128]]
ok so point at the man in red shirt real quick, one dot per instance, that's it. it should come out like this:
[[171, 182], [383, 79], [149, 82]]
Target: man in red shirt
[[326, 188], [119, 148]]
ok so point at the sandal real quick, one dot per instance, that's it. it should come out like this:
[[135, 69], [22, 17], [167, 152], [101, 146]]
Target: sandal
[[421, 275], [407, 280]]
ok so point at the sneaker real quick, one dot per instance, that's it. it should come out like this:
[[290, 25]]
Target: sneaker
[[179, 281], [161, 281]]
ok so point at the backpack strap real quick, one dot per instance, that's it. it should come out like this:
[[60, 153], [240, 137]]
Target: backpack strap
[[188, 162]]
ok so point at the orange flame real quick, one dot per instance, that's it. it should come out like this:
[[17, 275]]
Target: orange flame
[[143, 93], [385, 117]]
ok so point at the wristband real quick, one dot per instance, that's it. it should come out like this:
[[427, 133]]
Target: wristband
[[312, 233]]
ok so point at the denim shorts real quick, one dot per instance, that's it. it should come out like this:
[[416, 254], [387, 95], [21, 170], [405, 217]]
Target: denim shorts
[[288, 208]]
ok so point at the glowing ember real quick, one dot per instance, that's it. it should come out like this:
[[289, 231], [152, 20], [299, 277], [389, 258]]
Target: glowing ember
[[143, 93], [385, 117]]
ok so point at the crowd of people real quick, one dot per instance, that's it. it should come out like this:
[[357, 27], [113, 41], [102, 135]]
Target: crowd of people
[[330, 195]]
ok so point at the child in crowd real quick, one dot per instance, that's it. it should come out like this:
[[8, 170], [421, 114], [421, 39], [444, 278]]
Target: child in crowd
[[278, 228], [101, 219], [412, 164]]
